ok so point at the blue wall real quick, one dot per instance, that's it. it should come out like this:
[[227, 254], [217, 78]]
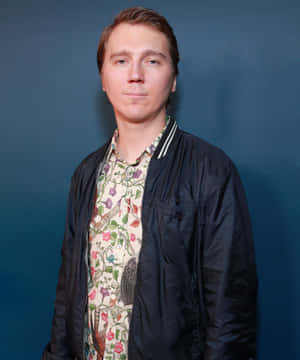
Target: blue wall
[[238, 88]]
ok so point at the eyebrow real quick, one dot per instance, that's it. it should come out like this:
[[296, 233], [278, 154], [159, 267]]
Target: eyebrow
[[144, 54]]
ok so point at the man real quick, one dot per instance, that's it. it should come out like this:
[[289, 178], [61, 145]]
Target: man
[[157, 259]]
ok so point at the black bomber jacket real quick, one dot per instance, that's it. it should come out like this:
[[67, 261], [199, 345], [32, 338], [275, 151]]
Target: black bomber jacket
[[196, 288]]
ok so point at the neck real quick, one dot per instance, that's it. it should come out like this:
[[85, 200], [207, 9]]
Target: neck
[[134, 137]]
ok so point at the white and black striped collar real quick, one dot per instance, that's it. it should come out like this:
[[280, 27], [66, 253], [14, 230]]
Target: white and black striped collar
[[162, 147], [166, 140]]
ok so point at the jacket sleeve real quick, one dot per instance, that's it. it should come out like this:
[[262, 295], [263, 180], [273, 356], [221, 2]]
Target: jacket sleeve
[[57, 348], [229, 270]]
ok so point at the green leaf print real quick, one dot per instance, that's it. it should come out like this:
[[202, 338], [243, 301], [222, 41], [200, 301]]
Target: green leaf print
[[122, 357], [101, 209], [92, 307], [109, 269], [124, 335], [113, 224], [125, 218], [114, 235], [117, 334], [121, 166], [116, 274], [138, 194], [97, 263]]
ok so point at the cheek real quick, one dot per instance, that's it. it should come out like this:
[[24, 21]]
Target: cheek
[[162, 84], [113, 81]]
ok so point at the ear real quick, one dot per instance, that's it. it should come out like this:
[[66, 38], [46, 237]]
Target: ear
[[174, 85]]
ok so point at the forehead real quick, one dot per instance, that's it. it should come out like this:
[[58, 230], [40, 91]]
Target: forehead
[[137, 37]]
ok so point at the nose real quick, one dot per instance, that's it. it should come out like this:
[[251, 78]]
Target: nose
[[136, 73]]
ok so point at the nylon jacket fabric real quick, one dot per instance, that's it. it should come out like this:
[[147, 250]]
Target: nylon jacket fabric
[[196, 289]]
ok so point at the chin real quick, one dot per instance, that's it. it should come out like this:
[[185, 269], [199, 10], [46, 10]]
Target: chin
[[137, 115], [137, 112]]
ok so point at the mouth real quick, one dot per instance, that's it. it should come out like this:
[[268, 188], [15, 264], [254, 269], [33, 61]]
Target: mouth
[[136, 95]]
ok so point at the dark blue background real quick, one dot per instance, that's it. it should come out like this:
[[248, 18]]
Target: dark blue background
[[238, 88]]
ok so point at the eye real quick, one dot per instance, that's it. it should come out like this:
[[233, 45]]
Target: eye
[[120, 61], [153, 61]]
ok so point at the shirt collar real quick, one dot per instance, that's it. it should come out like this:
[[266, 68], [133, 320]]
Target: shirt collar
[[148, 150]]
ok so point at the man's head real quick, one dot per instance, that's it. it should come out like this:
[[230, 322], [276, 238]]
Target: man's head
[[140, 16], [137, 60]]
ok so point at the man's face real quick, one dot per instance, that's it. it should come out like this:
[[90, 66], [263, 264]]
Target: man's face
[[137, 72]]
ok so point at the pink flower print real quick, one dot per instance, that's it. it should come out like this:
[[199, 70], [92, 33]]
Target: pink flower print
[[135, 223], [108, 203], [92, 295], [135, 208], [91, 356], [106, 236], [110, 335], [112, 191], [128, 207], [94, 255], [112, 302], [92, 271], [118, 347], [104, 316], [137, 173], [132, 237]]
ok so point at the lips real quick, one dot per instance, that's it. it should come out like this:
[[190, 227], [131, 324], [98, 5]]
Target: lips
[[136, 94]]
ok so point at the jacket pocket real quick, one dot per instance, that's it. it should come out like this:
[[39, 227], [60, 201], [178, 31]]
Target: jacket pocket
[[176, 221]]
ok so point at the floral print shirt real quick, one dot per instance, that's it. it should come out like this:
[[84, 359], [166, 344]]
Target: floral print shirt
[[115, 237]]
